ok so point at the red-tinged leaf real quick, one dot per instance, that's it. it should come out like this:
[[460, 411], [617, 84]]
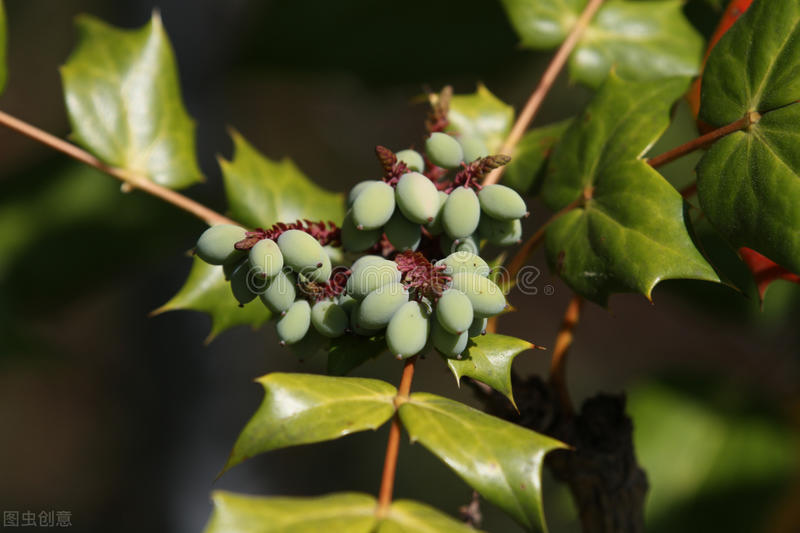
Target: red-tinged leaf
[[734, 10], [765, 271]]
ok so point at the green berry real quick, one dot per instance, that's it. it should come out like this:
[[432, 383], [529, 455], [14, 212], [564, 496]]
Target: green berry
[[294, 325], [500, 232], [417, 197], [435, 226], [464, 262], [347, 303], [444, 150], [230, 265], [357, 189], [323, 273], [266, 258], [301, 251], [368, 275], [354, 325], [412, 159], [374, 206], [448, 344], [403, 234], [461, 213], [408, 330], [487, 299], [478, 327], [215, 245], [356, 240], [240, 283], [501, 202], [454, 311], [281, 292], [474, 148], [329, 319], [377, 309], [464, 244]]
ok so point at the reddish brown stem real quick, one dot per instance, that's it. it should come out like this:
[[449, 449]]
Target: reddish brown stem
[[701, 142], [393, 445], [130, 180], [538, 95], [558, 363]]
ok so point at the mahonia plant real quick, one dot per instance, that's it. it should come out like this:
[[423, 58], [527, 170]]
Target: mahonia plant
[[395, 266]]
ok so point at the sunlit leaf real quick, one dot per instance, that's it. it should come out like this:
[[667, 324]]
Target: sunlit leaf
[[543, 24], [481, 115], [407, 516], [124, 102], [306, 408], [262, 192], [631, 230], [501, 460], [488, 359], [526, 170], [345, 513]]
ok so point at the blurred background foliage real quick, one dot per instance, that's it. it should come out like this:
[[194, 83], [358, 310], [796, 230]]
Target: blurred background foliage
[[125, 420]]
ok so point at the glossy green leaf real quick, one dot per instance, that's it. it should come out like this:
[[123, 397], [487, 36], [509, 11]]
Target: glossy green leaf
[[488, 359], [3, 67], [543, 24], [124, 102], [749, 187], [339, 513], [481, 115], [501, 460], [632, 230], [262, 192], [206, 290], [306, 408], [643, 40], [407, 516], [351, 351], [526, 170], [756, 64]]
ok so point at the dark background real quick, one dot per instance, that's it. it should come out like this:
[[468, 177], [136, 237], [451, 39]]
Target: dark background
[[125, 420]]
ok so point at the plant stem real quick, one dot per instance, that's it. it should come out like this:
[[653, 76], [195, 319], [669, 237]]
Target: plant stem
[[130, 180], [545, 84], [393, 445], [558, 363], [667, 157]]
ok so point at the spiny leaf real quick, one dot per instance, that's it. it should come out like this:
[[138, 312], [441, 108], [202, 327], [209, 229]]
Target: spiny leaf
[[345, 513], [756, 64], [488, 359], [124, 102], [407, 516], [631, 231], [526, 170], [749, 187], [306, 408], [262, 192], [501, 460], [206, 290], [3, 67], [481, 115], [642, 40], [350, 351]]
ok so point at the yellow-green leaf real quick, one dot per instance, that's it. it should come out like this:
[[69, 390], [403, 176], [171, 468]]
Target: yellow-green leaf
[[481, 115], [407, 516], [306, 408], [124, 102]]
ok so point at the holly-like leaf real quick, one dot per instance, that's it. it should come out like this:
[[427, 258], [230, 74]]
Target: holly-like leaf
[[207, 291], [630, 230], [488, 359], [756, 64], [124, 102], [345, 513], [501, 460], [407, 516], [749, 186], [262, 192], [348, 512], [525, 172], [765, 271], [306, 408], [643, 40], [3, 67], [481, 115], [350, 351]]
